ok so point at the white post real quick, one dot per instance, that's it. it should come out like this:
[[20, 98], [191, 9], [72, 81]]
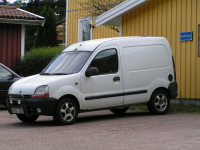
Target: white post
[[22, 40]]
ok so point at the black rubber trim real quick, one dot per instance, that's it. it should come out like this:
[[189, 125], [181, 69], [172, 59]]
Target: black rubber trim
[[173, 89], [115, 95]]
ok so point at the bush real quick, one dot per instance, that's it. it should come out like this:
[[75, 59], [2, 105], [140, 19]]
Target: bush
[[36, 60]]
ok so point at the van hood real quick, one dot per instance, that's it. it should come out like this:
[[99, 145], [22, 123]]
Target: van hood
[[28, 85]]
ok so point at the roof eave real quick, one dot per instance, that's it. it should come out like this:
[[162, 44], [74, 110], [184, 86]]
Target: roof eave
[[22, 21], [30, 13], [112, 17]]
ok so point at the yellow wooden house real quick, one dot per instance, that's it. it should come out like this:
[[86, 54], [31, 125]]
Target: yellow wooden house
[[178, 21], [80, 26]]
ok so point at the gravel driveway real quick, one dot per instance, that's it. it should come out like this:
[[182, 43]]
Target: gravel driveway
[[102, 130]]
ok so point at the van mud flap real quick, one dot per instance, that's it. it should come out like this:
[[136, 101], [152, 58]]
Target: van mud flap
[[173, 89]]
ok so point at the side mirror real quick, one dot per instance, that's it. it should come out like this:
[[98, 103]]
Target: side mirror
[[10, 77], [92, 72]]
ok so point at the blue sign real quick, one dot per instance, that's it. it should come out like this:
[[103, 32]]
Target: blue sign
[[186, 36]]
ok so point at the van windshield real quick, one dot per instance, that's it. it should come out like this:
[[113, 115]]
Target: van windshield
[[67, 63]]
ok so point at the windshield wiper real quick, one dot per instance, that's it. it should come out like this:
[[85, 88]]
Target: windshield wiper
[[53, 74], [58, 74], [45, 74]]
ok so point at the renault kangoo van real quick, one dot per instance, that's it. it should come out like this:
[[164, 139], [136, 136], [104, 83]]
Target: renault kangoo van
[[112, 73]]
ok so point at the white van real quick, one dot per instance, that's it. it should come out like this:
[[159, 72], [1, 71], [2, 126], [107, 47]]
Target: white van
[[112, 73]]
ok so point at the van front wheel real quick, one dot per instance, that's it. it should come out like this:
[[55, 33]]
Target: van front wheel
[[159, 103], [66, 112]]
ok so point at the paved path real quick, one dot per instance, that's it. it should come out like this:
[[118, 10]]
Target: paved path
[[103, 130]]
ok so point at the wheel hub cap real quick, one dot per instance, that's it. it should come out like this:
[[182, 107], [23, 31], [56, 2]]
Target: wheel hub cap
[[161, 102], [67, 111]]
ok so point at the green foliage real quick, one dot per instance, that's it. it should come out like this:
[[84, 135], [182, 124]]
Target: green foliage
[[47, 35], [36, 60], [30, 36], [4, 2], [36, 7]]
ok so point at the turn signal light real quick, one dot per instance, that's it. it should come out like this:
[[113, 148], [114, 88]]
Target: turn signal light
[[40, 96]]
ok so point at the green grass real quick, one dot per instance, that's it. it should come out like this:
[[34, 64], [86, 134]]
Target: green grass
[[185, 109], [138, 108], [177, 109]]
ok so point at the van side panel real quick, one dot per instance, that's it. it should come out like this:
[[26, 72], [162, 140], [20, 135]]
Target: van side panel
[[145, 57], [143, 69]]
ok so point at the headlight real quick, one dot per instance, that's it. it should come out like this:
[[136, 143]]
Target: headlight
[[41, 92]]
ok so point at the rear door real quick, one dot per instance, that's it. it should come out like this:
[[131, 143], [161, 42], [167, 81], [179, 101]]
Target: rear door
[[146, 67], [105, 89]]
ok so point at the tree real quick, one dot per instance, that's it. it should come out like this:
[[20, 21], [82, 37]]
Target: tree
[[98, 7], [36, 6], [47, 35], [4, 2]]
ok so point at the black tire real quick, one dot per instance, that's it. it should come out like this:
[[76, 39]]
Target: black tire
[[119, 111], [66, 112], [24, 118], [159, 103]]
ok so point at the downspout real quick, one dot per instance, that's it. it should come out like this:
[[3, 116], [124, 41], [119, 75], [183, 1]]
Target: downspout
[[66, 30], [120, 27]]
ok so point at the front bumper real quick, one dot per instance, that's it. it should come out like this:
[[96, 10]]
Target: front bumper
[[31, 106]]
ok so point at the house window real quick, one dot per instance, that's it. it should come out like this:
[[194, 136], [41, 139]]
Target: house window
[[84, 29]]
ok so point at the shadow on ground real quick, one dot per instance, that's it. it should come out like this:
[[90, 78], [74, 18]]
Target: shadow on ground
[[2, 107], [82, 119]]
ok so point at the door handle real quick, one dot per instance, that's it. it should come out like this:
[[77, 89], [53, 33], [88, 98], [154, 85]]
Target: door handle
[[116, 78]]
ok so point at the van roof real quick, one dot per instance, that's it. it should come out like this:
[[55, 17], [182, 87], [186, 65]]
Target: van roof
[[91, 45]]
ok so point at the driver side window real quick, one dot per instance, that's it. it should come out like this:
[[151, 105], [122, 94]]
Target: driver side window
[[106, 61]]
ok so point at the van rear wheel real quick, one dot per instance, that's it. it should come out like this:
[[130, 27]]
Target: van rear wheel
[[66, 112], [159, 103], [119, 111]]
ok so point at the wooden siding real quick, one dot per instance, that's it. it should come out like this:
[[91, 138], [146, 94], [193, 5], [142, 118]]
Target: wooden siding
[[75, 11], [10, 44], [168, 18]]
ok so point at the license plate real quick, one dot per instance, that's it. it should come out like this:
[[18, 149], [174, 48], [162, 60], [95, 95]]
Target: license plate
[[17, 110]]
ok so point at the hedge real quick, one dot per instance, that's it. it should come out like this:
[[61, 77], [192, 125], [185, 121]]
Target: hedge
[[36, 60]]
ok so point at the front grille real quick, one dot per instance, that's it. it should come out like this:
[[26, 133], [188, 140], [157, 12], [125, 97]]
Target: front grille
[[19, 101], [16, 100]]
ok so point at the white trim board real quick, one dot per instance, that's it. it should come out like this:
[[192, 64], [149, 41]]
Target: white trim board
[[112, 17]]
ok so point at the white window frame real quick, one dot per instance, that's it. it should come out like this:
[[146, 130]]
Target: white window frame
[[80, 27]]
